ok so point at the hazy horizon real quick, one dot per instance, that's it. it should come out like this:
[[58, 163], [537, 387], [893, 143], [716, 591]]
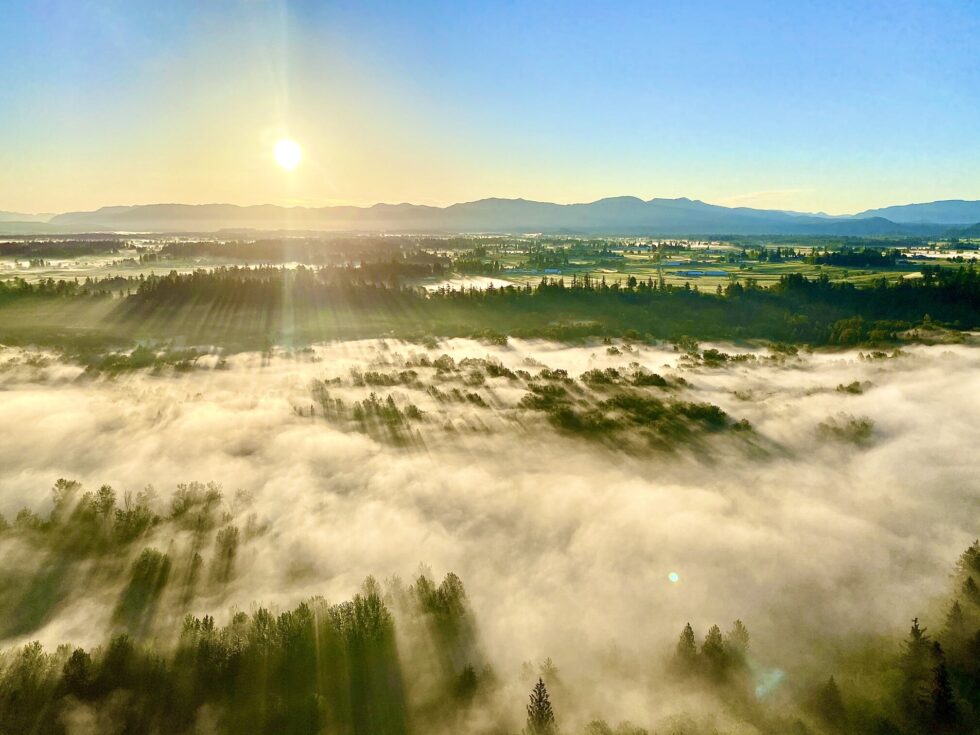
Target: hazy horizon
[[368, 205]]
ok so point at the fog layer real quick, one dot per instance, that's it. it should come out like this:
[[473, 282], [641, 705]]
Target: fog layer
[[566, 546]]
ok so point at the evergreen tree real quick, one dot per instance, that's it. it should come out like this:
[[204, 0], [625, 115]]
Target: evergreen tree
[[970, 663], [917, 647], [917, 665], [77, 672], [969, 560], [971, 591], [956, 630], [830, 706], [466, 684], [737, 641], [686, 657], [540, 716], [944, 711], [713, 653]]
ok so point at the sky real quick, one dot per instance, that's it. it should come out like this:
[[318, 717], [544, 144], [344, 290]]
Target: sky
[[812, 106]]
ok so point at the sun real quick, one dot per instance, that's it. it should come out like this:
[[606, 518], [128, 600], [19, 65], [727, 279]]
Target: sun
[[287, 153]]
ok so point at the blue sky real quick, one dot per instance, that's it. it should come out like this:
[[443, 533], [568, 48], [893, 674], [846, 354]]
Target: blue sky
[[812, 106]]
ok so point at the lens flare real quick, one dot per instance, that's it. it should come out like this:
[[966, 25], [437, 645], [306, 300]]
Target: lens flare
[[674, 577], [768, 681]]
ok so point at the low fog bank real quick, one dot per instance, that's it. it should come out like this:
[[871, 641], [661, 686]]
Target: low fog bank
[[565, 546]]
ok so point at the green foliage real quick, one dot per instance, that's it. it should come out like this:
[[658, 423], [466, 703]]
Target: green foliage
[[663, 423], [317, 304], [643, 379], [540, 715], [136, 607], [866, 257], [848, 429], [829, 706], [601, 727], [315, 668], [94, 535], [141, 358], [686, 654], [345, 668], [719, 657]]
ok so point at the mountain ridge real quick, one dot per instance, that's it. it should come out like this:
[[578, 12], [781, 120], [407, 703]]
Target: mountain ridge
[[626, 215], [944, 211]]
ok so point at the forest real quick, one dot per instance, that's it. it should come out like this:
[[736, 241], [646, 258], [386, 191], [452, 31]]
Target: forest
[[400, 659], [256, 304]]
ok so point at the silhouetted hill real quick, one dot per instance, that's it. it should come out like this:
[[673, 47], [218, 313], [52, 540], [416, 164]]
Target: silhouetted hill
[[22, 217], [614, 215], [971, 231], [948, 212]]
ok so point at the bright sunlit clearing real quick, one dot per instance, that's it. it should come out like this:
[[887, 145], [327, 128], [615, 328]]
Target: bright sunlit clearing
[[288, 154]]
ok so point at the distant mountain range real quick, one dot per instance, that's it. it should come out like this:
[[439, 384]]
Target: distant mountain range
[[21, 217], [615, 215], [949, 212]]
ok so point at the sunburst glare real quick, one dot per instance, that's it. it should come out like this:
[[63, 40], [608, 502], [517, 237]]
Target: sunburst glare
[[287, 153]]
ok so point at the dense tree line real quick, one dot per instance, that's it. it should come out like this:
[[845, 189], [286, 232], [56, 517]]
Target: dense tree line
[[316, 668], [47, 288], [360, 252], [67, 248], [255, 304], [856, 257], [826, 242], [765, 255], [312, 251], [474, 263], [796, 308]]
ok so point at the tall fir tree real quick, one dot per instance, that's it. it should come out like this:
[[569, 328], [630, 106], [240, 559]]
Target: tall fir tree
[[737, 641], [955, 632], [971, 591], [917, 648], [686, 656], [713, 654], [540, 716], [830, 705], [944, 711]]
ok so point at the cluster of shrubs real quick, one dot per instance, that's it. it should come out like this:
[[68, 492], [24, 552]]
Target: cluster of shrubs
[[639, 378], [142, 358], [378, 417], [455, 395], [374, 378], [663, 423], [857, 430], [90, 535]]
